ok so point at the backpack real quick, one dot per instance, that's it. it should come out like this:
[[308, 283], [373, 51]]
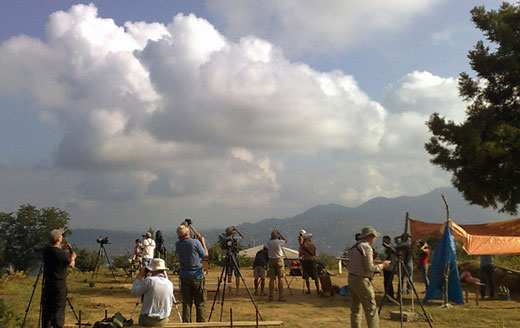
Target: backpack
[[117, 321]]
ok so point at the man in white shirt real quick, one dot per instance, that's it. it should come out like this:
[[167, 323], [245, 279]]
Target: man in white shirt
[[148, 249], [157, 292], [275, 266]]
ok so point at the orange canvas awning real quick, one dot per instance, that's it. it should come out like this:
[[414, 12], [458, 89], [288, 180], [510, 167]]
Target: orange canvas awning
[[477, 239]]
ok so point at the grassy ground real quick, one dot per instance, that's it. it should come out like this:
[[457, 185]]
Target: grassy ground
[[299, 310]]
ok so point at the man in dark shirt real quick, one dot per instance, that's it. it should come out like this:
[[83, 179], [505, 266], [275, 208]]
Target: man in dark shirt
[[307, 252], [260, 269], [55, 263]]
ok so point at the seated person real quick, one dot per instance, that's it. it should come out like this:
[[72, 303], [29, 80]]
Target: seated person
[[157, 293]]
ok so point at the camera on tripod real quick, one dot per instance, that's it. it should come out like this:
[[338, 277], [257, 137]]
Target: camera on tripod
[[102, 241], [395, 249], [229, 245]]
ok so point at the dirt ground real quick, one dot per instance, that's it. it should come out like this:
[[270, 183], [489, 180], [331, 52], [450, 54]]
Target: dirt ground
[[300, 310]]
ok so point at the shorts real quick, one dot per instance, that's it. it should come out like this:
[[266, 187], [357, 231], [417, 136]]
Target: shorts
[[275, 268], [309, 269], [231, 267], [259, 272]]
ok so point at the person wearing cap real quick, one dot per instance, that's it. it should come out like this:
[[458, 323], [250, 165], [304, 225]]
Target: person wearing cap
[[191, 273], [157, 294], [55, 263], [307, 252], [148, 249], [300, 236], [361, 268]]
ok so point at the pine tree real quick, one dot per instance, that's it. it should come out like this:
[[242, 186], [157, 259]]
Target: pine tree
[[483, 152]]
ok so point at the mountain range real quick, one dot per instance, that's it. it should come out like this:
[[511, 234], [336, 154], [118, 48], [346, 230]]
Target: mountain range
[[333, 226]]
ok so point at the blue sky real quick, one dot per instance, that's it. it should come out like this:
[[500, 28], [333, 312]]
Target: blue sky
[[126, 113]]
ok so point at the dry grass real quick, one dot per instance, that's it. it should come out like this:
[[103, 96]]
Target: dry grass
[[309, 311]]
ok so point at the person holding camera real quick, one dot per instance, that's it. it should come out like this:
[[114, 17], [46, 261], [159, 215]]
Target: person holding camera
[[230, 244], [55, 263], [307, 252], [422, 262], [361, 270], [191, 273], [275, 265], [388, 272], [148, 249], [156, 291], [404, 245]]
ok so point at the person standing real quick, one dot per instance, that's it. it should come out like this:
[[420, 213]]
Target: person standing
[[138, 252], [361, 269], [275, 267], [422, 262], [193, 283], [55, 263], [157, 292], [404, 243], [148, 249], [233, 263], [487, 275], [307, 252], [260, 269], [388, 272]]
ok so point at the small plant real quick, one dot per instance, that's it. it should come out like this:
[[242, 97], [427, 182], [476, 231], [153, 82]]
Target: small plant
[[7, 317]]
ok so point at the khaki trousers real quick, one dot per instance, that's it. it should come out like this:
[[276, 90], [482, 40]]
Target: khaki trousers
[[145, 320], [362, 295]]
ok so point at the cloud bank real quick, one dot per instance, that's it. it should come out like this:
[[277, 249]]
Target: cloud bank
[[178, 118]]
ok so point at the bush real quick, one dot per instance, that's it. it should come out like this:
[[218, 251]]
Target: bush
[[86, 260], [327, 259]]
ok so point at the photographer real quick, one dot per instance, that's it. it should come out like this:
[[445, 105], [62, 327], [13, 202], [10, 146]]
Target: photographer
[[276, 263], [404, 245], [157, 292], [307, 252], [300, 236], [388, 272], [55, 263], [148, 249], [230, 244], [193, 289], [361, 269]]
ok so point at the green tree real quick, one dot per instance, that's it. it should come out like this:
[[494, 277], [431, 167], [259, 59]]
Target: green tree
[[25, 233], [86, 260], [483, 152]]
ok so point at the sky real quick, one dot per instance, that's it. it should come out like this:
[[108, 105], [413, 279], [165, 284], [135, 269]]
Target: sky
[[130, 114]]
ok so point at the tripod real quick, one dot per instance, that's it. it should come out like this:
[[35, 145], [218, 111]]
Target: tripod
[[230, 259], [41, 300], [400, 269], [101, 252]]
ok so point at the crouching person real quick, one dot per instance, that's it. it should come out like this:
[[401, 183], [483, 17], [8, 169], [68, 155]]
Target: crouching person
[[157, 292]]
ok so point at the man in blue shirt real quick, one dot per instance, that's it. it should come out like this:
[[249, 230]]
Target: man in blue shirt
[[193, 289]]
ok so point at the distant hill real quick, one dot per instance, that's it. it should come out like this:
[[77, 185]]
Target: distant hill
[[333, 226]]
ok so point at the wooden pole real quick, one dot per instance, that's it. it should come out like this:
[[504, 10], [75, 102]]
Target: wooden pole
[[106, 313], [447, 208], [231, 317], [256, 317], [79, 320], [406, 223]]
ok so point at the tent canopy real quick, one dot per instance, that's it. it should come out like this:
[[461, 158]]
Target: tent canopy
[[477, 239], [251, 252]]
